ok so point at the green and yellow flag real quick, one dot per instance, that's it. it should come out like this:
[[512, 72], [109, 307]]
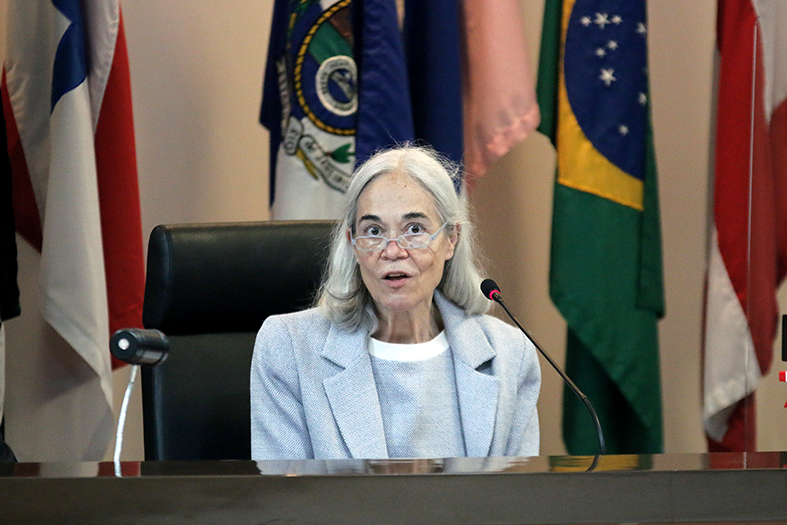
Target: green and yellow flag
[[606, 269]]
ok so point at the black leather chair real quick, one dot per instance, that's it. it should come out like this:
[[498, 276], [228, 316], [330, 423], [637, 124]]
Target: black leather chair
[[208, 288]]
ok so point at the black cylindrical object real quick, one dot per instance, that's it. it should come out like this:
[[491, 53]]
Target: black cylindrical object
[[138, 346]]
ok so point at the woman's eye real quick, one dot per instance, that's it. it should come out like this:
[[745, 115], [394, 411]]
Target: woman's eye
[[415, 228], [373, 230]]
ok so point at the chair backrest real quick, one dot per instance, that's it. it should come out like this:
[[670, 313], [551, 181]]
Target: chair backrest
[[209, 287]]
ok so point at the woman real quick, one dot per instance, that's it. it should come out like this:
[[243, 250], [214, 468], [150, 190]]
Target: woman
[[397, 358]]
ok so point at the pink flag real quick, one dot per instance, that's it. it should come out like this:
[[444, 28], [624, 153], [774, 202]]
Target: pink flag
[[748, 252], [500, 106], [67, 102]]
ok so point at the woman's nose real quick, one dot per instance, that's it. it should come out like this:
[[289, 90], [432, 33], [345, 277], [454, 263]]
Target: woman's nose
[[392, 250]]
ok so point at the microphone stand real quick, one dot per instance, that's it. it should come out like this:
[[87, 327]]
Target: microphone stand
[[135, 346], [122, 419], [496, 296]]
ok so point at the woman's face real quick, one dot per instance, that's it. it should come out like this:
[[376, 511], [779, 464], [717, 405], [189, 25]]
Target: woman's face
[[401, 280]]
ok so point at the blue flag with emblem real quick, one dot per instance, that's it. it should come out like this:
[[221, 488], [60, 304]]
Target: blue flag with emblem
[[323, 58], [339, 85]]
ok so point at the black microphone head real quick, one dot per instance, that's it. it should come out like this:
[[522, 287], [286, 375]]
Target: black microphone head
[[137, 346], [488, 288]]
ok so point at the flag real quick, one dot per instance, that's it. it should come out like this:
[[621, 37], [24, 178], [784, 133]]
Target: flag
[[606, 268], [343, 80], [433, 47], [67, 105], [9, 289], [311, 103], [748, 248], [500, 107]]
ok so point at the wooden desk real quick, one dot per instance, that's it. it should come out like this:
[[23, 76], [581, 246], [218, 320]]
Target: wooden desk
[[622, 489]]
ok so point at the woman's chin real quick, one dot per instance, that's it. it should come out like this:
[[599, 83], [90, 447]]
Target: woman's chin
[[402, 304]]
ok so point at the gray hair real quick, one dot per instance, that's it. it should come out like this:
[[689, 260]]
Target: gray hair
[[343, 297]]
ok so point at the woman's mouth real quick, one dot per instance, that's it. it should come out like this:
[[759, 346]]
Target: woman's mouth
[[396, 277]]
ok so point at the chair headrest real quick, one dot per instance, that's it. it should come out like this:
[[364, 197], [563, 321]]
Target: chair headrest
[[228, 277]]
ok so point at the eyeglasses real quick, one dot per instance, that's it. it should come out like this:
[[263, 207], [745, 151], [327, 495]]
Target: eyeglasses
[[409, 241]]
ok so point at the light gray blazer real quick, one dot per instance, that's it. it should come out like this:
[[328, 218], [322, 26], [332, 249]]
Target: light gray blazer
[[313, 393]]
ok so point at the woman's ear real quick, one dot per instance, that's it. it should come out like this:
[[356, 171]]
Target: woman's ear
[[349, 235], [453, 239]]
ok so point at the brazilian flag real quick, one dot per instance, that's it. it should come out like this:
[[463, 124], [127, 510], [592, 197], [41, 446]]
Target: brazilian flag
[[606, 268]]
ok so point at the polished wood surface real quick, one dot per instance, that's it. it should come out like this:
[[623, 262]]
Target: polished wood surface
[[749, 487]]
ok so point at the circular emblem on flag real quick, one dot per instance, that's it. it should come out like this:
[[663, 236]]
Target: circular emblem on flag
[[325, 76], [336, 81]]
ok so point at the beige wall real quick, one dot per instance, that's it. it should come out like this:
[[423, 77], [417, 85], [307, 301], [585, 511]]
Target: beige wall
[[197, 71]]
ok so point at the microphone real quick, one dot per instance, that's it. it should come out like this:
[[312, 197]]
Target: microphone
[[492, 292], [490, 289], [136, 346]]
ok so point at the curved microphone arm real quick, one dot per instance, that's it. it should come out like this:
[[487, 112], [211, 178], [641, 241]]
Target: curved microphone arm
[[492, 292]]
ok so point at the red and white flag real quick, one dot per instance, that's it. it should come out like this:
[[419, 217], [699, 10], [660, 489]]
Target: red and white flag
[[748, 249], [67, 104]]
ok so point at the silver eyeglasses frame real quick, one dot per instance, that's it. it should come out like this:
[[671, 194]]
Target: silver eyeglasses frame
[[408, 241]]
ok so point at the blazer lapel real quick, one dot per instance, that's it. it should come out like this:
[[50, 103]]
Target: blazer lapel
[[477, 391], [352, 394], [477, 406]]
